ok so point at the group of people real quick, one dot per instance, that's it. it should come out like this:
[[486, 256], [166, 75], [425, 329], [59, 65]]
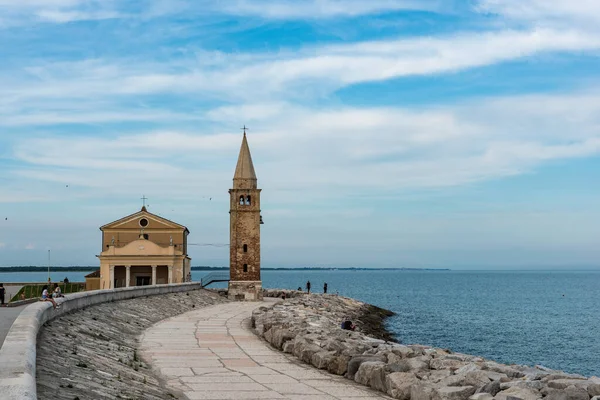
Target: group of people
[[308, 287], [56, 292]]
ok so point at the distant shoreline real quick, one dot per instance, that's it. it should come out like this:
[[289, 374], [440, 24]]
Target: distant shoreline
[[206, 268]]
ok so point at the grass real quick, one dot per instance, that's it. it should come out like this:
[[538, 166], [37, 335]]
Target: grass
[[34, 291]]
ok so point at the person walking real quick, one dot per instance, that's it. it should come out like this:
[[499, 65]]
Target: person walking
[[325, 288], [307, 286], [2, 292]]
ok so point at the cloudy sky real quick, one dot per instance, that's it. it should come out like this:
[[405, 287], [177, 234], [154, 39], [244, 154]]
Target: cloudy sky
[[385, 133]]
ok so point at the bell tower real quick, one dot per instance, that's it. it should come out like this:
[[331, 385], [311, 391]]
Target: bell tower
[[245, 220]]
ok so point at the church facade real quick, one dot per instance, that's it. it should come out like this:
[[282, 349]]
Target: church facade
[[143, 249], [245, 220]]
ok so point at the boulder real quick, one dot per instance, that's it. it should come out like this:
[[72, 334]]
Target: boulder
[[306, 352], [280, 336], [322, 359], [594, 389], [481, 396], [467, 368], [288, 347], [576, 393], [446, 363], [355, 362], [453, 393], [503, 369], [436, 375], [519, 393], [570, 393], [404, 351], [476, 378], [338, 364], [492, 388], [496, 376], [421, 391], [562, 375], [565, 383], [372, 373], [399, 384], [535, 385]]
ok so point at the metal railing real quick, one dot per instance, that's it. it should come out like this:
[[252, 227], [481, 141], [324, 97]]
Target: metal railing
[[214, 277]]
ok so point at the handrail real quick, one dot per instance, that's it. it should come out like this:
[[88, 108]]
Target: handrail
[[214, 277]]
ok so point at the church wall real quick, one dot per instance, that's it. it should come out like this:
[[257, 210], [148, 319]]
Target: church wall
[[162, 239]]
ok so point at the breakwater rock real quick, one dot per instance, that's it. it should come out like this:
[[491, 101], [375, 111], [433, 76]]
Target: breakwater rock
[[309, 327], [92, 353]]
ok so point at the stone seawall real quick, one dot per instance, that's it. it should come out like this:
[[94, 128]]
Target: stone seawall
[[308, 326], [94, 353], [18, 353]]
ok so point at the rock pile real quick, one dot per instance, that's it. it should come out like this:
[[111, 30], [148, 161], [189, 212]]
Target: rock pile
[[309, 327]]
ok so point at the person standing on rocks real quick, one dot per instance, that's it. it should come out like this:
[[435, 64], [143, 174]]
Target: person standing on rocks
[[307, 286], [325, 288], [2, 292]]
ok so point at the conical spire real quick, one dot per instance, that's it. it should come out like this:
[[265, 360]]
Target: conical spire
[[244, 177]]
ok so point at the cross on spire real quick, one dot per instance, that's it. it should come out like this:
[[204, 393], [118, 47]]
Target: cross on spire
[[245, 129], [144, 198]]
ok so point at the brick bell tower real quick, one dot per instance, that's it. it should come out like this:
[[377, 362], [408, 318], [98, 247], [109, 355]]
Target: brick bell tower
[[245, 220]]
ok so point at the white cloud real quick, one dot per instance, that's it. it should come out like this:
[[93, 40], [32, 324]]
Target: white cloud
[[543, 12], [330, 152], [30, 246], [315, 9], [313, 71]]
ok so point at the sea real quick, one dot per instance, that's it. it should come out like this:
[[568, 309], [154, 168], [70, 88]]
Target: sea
[[549, 318]]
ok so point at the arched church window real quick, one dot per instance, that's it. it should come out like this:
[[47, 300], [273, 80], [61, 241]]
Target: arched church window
[[245, 267], [241, 200], [248, 200], [245, 248]]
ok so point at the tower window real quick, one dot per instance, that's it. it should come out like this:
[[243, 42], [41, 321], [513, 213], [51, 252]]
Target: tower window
[[146, 236], [245, 267], [241, 200], [245, 248], [248, 200]]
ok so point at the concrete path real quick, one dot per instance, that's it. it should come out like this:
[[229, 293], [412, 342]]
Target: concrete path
[[7, 317], [212, 354]]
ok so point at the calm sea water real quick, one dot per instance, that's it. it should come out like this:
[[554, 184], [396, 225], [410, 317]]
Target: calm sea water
[[548, 318]]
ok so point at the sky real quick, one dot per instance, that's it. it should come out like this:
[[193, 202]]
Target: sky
[[460, 134]]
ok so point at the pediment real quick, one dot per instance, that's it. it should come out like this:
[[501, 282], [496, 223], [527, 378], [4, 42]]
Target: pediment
[[140, 247], [133, 222]]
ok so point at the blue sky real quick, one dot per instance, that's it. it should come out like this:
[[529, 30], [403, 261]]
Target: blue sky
[[461, 134]]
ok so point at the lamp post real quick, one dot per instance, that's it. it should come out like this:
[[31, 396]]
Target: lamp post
[[48, 265]]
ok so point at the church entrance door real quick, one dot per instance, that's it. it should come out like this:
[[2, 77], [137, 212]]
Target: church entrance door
[[143, 280]]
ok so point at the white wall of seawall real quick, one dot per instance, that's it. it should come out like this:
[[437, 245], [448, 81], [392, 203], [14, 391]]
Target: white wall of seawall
[[18, 353]]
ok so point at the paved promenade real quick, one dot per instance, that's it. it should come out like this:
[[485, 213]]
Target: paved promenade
[[212, 354], [7, 317]]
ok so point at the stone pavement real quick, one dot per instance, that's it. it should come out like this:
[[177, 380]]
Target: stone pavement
[[211, 353]]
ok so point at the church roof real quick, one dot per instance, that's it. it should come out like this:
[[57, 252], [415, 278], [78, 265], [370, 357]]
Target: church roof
[[245, 169], [95, 274], [143, 213]]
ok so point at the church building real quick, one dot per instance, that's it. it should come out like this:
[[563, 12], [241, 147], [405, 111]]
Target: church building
[[245, 221], [143, 249]]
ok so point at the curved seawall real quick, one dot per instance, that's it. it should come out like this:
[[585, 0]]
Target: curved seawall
[[18, 353]]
